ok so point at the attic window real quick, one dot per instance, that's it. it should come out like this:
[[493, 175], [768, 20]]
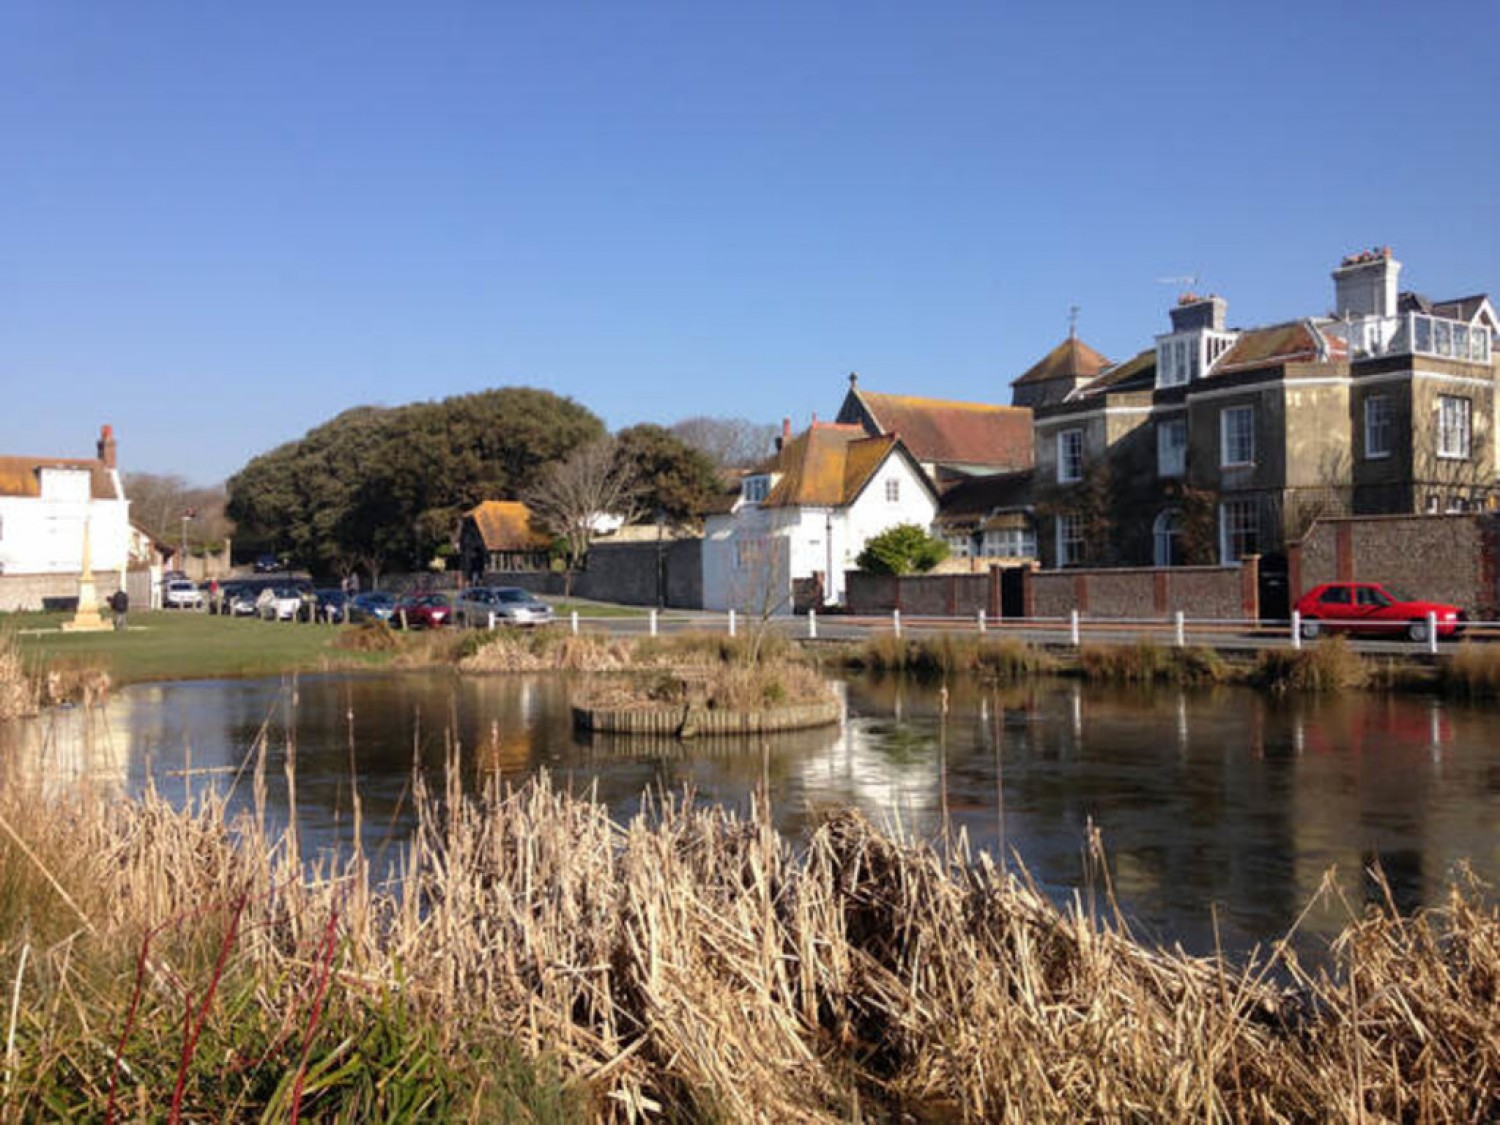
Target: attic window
[[755, 489], [893, 490]]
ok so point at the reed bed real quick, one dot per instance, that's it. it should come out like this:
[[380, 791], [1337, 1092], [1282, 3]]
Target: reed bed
[[1002, 659], [1147, 663], [535, 960], [1473, 673], [18, 696], [1328, 665]]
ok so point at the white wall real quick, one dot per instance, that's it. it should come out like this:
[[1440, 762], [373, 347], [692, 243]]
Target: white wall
[[43, 535]]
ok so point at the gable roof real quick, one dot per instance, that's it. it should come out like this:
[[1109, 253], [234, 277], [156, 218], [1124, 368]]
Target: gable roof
[[1136, 373], [828, 465], [1071, 359], [940, 431], [982, 496], [22, 476], [505, 525]]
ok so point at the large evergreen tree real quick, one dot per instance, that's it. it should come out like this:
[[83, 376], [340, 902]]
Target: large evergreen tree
[[376, 488]]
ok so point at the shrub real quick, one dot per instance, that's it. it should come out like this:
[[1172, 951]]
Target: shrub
[[903, 549]]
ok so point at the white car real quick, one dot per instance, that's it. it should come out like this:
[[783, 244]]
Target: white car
[[182, 594], [278, 603]]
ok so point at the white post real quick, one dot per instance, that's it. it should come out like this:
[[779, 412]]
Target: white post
[[1432, 633], [1296, 629], [492, 620], [731, 622], [981, 621], [653, 622], [896, 621], [573, 620], [1179, 623], [1073, 637], [812, 624]]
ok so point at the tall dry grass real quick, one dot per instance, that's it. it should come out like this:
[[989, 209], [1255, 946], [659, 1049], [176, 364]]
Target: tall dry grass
[[18, 693], [1328, 665], [1002, 658], [691, 964], [1147, 663]]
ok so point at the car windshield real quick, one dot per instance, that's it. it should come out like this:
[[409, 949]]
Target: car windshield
[[514, 595]]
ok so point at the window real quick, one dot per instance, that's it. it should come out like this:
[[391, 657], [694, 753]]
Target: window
[[1070, 456], [893, 491], [1237, 435], [1377, 426], [1009, 543], [1335, 595], [1171, 447], [1239, 530], [755, 489], [1167, 535], [960, 544], [1453, 427], [1069, 540]]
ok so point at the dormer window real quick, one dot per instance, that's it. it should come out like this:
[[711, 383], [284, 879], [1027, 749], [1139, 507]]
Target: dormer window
[[1184, 356], [754, 490]]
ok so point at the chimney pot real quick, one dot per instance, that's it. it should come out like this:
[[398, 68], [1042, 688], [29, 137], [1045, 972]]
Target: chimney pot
[[107, 446]]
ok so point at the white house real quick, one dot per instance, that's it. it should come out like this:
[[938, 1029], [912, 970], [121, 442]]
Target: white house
[[800, 519], [45, 505]]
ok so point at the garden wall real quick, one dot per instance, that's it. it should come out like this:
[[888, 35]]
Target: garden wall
[[626, 573]]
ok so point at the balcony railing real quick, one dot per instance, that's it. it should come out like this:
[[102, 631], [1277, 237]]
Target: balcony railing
[[1418, 334]]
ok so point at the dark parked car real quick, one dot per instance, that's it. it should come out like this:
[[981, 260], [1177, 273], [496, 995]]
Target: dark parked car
[[267, 564], [1375, 610], [373, 605], [423, 611], [238, 600], [333, 605]]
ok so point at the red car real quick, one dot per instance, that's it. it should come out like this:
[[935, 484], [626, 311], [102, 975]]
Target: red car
[[1368, 607], [423, 611]]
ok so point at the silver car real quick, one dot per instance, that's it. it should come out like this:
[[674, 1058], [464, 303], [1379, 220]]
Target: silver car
[[501, 605], [182, 594]]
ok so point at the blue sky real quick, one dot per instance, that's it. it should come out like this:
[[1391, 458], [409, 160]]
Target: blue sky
[[221, 224]]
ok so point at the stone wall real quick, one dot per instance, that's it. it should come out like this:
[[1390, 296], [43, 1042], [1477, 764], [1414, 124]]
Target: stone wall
[[31, 592], [626, 573], [1446, 558], [921, 595], [1215, 592]]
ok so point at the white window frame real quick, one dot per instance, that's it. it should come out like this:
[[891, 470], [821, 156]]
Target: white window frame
[[1069, 462], [755, 489], [893, 490], [1070, 539], [1455, 418], [1377, 427], [1243, 450], [1171, 461], [1009, 542], [1238, 508], [1166, 535]]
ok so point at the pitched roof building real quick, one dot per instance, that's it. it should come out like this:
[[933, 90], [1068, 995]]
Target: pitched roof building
[[1058, 374], [498, 536], [951, 440]]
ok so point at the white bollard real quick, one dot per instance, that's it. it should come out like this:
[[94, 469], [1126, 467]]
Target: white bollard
[[1296, 629], [653, 622], [573, 620], [492, 620], [1073, 636], [981, 621], [896, 621], [731, 622], [812, 624], [1179, 623], [1432, 633]]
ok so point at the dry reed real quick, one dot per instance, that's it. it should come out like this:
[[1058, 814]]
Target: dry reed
[[693, 964], [17, 691]]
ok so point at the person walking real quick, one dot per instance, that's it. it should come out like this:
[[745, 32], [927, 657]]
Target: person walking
[[119, 601]]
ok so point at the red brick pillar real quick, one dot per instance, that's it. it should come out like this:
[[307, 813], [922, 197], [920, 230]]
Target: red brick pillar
[[993, 598], [1028, 593], [1081, 592], [1159, 591], [1250, 587], [1343, 551]]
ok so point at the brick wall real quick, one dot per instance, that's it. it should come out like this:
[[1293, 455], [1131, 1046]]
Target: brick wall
[[1447, 558], [921, 595], [1217, 592]]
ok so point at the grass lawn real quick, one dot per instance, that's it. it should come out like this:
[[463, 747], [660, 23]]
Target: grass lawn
[[561, 607], [185, 645]]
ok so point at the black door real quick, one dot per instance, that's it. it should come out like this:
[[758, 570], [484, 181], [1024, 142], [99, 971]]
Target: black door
[[1013, 592], [1275, 589]]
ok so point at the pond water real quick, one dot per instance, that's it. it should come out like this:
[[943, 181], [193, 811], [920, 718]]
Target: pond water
[[1219, 810]]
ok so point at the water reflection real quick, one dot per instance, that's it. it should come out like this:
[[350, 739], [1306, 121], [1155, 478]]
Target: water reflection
[[1219, 810]]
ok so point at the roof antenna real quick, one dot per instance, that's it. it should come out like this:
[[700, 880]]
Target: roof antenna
[[1072, 322]]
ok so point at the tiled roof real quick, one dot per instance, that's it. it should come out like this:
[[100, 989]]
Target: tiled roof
[[1071, 359], [21, 476], [1294, 342], [979, 496], [827, 465], [937, 431], [1136, 373], [505, 525]]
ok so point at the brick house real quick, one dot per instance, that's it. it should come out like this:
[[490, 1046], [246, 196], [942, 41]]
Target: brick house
[[1218, 442]]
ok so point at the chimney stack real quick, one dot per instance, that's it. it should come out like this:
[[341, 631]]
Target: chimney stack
[[786, 434], [1365, 284], [107, 446], [1197, 314]]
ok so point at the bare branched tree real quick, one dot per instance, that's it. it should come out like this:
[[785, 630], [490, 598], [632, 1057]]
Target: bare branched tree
[[574, 495], [730, 442]]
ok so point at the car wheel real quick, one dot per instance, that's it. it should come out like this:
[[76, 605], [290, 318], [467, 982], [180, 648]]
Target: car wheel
[[1417, 631], [1310, 628]]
